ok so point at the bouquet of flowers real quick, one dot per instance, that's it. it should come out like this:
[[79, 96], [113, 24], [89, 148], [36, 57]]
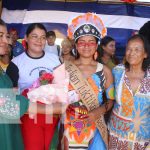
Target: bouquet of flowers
[[50, 88]]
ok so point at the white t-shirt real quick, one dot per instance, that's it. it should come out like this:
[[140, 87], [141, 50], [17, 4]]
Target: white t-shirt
[[29, 69], [52, 49]]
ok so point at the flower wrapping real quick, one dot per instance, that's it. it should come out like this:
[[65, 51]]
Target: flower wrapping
[[50, 88]]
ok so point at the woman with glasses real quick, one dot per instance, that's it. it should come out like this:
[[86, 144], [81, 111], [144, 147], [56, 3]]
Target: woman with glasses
[[24, 70], [84, 126]]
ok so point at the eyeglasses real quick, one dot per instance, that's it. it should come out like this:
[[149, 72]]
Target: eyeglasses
[[36, 38], [83, 44]]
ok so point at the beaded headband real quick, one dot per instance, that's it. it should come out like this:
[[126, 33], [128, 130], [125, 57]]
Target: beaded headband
[[86, 24]]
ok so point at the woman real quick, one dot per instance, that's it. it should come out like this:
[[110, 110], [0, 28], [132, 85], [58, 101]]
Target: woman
[[66, 47], [88, 79], [24, 70], [129, 123], [5, 59], [107, 52], [12, 106]]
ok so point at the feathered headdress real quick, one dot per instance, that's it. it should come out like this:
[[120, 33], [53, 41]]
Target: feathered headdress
[[86, 24]]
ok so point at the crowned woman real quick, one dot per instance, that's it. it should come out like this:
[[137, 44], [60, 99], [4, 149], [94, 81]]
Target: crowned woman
[[84, 125]]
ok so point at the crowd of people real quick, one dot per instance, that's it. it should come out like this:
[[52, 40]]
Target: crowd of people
[[99, 84]]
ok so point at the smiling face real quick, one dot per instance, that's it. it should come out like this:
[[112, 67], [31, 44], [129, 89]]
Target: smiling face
[[3, 40], [86, 46], [135, 52], [36, 41], [66, 49], [66, 46]]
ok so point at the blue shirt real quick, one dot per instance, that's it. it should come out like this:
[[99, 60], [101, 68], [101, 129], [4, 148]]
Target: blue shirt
[[18, 49]]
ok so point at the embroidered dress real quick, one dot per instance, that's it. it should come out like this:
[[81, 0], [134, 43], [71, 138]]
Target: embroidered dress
[[129, 124], [10, 111], [80, 132]]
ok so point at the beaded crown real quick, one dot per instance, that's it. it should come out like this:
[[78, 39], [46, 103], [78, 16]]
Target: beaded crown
[[86, 24]]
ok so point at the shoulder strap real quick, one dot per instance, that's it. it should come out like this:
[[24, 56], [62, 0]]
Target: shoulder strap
[[58, 50], [87, 95], [100, 73]]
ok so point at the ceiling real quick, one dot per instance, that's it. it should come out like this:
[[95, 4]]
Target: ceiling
[[99, 1]]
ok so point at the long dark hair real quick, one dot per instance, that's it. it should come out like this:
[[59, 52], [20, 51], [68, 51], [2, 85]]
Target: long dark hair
[[146, 61], [145, 30], [104, 42]]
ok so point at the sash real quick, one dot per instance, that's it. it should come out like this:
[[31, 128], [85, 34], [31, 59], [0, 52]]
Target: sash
[[88, 96]]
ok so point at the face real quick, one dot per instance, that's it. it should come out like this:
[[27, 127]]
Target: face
[[3, 40], [135, 52], [110, 48], [86, 46], [66, 49], [14, 35], [36, 40], [51, 40]]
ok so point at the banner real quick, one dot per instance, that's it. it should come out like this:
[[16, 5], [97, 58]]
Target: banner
[[121, 20]]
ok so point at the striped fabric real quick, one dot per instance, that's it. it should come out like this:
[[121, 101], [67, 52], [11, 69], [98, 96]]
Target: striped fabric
[[121, 20]]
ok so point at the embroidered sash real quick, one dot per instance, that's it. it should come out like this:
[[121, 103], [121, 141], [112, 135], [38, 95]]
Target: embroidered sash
[[88, 96]]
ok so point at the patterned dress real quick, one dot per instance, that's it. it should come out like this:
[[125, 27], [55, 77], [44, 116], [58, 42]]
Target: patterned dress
[[11, 109], [79, 132], [129, 124]]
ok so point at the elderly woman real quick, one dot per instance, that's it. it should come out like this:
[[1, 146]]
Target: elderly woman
[[84, 126], [129, 126]]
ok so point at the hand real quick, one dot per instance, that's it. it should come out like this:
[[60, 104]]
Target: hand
[[90, 117], [73, 96], [93, 115]]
